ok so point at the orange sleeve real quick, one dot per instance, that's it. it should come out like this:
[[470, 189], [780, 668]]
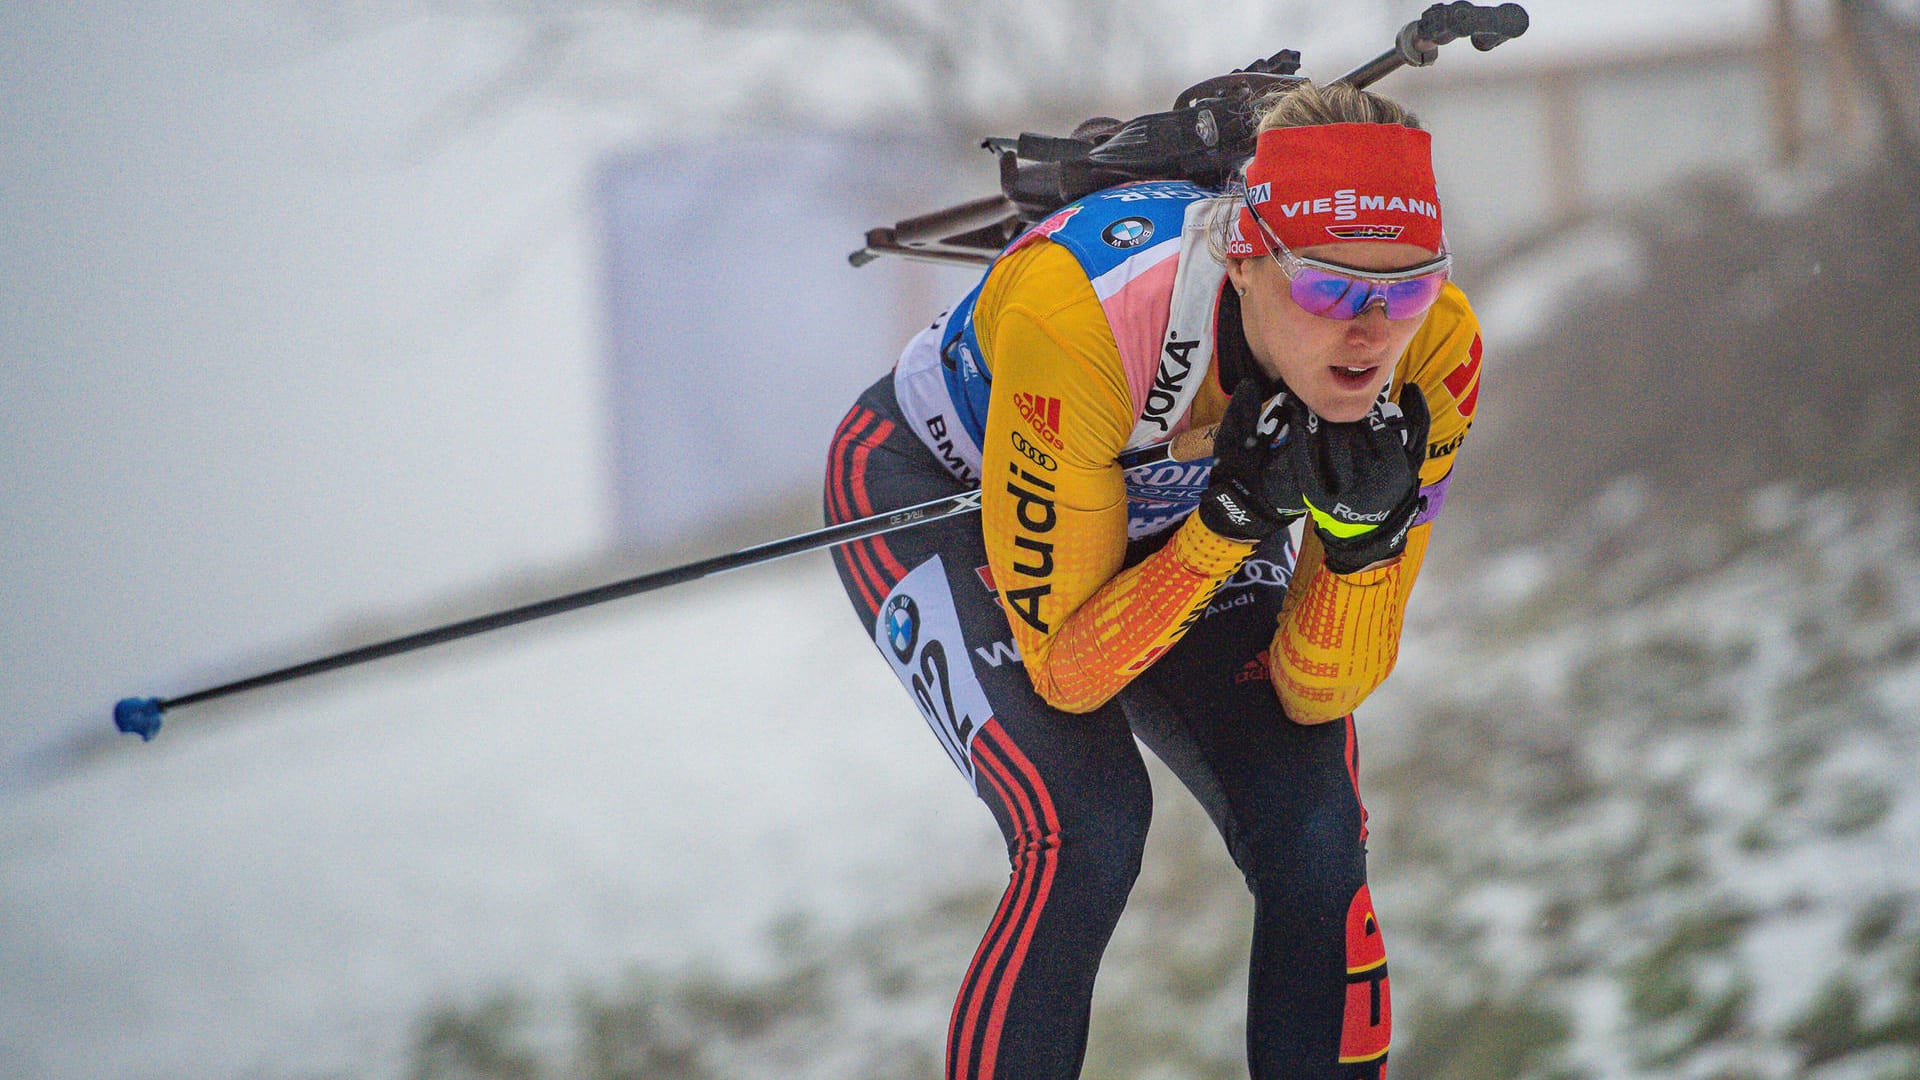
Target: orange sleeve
[[1339, 634], [1053, 500]]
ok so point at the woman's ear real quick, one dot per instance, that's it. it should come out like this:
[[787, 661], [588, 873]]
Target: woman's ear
[[1237, 273]]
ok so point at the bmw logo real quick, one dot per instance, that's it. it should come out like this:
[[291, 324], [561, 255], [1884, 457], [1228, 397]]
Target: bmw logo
[[903, 626], [1128, 232]]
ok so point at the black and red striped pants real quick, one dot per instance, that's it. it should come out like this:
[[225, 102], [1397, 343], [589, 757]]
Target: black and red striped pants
[[1070, 792]]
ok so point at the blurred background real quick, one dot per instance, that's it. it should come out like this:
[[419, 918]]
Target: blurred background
[[328, 320]]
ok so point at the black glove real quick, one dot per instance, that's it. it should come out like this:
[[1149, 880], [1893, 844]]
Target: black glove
[[1250, 493], [1361, 480]]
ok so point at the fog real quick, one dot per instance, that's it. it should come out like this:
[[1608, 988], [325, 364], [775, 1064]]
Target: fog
[[300, 342]]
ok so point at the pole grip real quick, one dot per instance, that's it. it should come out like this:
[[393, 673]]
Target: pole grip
[[1418, 43]]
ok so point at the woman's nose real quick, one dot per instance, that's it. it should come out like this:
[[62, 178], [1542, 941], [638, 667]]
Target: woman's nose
[[1371, 323]]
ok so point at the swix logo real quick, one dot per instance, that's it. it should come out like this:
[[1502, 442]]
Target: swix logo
[[1169, 382], [1366, 232], [1255, 670], [1044, 414], [1463, 382], [1346, 205], [1234, 513]]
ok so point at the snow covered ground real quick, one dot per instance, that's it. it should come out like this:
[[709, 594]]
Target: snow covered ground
[[1640, 810], [280, 895]]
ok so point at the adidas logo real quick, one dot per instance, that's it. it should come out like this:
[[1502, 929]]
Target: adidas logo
[[1255, 670], [1043, 414]]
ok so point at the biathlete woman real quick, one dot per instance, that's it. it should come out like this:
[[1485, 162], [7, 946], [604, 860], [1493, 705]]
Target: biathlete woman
[[1230, 612]]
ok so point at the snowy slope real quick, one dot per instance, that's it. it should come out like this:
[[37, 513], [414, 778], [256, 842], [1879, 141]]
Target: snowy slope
[[650, 782]]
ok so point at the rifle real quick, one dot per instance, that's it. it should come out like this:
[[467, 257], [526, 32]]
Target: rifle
[[1203, 139]]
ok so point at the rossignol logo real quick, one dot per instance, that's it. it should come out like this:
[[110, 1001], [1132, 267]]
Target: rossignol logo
[[1044, 414], [1366, 232], [1169, 382], [1347, 205]]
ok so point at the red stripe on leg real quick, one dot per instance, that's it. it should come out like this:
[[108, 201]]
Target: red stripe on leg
[[1047, 858], [881, 552], [839, 506], [988, 968], [1353, 773]]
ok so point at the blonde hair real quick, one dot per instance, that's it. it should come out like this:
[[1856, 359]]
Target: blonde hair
[[1306, 104], [1310, 103]]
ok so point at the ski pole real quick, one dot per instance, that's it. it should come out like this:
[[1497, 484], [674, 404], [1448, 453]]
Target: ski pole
[[1418, 43], [142, 716]]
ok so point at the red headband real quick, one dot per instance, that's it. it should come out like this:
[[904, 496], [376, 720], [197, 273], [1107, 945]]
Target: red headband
[[1338, 183]]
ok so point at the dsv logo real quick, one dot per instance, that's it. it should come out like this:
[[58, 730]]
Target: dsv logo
[[1033, 453]]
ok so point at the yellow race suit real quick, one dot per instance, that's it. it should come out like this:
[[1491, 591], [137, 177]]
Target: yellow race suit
[[1057, 540]]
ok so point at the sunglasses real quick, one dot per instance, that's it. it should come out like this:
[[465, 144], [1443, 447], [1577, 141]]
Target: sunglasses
[[1332, 291]]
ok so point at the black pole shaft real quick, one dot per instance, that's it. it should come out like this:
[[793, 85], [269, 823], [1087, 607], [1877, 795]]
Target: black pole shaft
[[1374, 70], [934, 509], [965, 502]]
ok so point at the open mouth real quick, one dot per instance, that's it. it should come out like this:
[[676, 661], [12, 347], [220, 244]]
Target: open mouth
[[1352, 378]]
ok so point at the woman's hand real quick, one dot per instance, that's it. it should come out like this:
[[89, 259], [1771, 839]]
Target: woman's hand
[[1361, 480], [1251, 493]]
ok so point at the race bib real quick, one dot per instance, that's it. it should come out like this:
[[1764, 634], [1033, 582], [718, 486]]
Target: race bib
[[918, 632]]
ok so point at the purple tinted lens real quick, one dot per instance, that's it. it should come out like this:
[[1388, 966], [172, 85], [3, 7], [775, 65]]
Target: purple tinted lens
[[1337, 296], [1411, 297], [1330, 296]]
